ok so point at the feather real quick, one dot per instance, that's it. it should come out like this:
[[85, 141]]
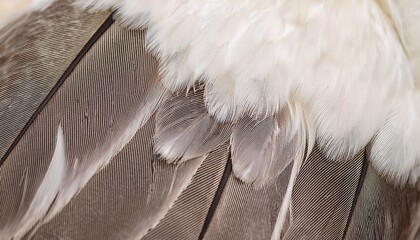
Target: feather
[[381, 211], [285, 205], [252, 126], [186, 219], [261, 150], [40, 5], [406, 14], [84, 105], [185, 130], [34, 53], [245, 212], [10, 11], [413, 231], [140, 189], [323, 196], [44, 196], [256, 57], [181, 178]]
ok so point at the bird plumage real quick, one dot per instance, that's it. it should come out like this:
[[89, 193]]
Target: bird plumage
[[336, 59], [210, 119]]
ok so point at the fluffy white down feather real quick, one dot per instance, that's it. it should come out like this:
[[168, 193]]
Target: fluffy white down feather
[[11, 9], [354, 66]]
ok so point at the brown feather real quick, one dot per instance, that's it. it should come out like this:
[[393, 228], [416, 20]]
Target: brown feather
[[34, 53], [121, 128]]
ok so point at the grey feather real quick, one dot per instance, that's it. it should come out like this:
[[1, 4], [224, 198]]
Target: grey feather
[[146, 163], [261, 150], [126, 198], [34, 53], [186, 218], [323, 196], [382, 211], [100, 106], [184, 128], [245, 212]]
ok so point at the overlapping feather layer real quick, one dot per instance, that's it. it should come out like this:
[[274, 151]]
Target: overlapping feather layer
[[344, 62]]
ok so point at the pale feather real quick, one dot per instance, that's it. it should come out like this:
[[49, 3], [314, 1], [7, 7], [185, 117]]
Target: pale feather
[[45, 196], [343, 60], [13, 9]]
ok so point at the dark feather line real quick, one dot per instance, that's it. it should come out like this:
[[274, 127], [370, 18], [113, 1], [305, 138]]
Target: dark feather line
[[358, 190], [101, 30], [217, 196]]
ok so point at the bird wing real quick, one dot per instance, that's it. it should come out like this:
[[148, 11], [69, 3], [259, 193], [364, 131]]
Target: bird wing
[[96, 145]]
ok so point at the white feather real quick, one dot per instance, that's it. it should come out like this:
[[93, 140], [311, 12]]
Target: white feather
[[285, 205], [351, 63], [12, 9], [45, 195], [40, 5]]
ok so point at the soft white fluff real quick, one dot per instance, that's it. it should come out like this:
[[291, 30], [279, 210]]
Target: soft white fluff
[[40, 5], [344, 61], [12, 9]]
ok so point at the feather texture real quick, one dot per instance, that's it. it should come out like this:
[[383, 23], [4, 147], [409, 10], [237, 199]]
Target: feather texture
[[323, 196], [381, 211], [261, 150], [184, 129], [83, 105], [34, 53], [226, 44], [44, 196], [230, 131]]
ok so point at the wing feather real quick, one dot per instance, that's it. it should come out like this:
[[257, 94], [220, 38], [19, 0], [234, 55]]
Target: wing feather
[[184, 128]]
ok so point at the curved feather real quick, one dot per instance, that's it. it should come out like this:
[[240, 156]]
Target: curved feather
[[262, 149], [186, 219], [44, 197], [127, 198], [184, 128]]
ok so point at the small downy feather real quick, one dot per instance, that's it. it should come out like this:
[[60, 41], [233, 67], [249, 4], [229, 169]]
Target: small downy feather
[[185, 130], [261, 150]]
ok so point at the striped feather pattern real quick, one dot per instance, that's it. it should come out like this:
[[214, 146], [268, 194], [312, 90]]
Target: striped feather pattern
[[34, 53], [119, 156]]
